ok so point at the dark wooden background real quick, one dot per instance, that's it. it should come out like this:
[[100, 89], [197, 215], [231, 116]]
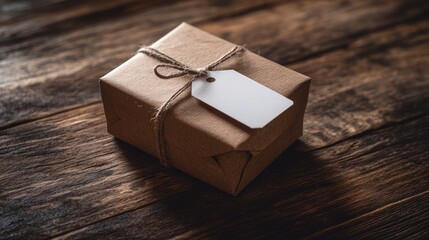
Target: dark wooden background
[[360, 170]]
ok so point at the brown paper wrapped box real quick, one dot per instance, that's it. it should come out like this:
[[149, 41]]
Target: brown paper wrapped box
[[200, 140]]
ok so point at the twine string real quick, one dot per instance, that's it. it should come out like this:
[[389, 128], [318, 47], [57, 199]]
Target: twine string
[[182, 69]]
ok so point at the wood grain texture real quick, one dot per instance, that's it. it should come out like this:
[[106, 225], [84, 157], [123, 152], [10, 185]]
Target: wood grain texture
[[377, 80], [91, 51], [21, 20], [82, 175], [53, 66], [303, 193], [359, 171], [404, 219]]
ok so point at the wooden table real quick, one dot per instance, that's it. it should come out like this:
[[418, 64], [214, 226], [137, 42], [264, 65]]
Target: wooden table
[[360, 170]]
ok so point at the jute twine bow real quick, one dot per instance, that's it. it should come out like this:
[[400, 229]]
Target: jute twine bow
[[171, 63]]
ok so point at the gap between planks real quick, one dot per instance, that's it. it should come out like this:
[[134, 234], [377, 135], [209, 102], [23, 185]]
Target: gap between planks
[[58, 236], [113, 7], [42, 116], [369, 131]]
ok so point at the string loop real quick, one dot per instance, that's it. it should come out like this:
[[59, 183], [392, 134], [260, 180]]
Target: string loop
[[182, 69]]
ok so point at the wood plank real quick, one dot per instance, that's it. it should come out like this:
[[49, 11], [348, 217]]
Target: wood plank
[[303, 195], [82, 175], [21, 20], [299, 30], [42, 77], [343, 101], [405, 219]]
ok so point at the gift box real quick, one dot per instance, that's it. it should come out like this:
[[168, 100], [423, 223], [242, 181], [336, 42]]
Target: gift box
[[199, 139]]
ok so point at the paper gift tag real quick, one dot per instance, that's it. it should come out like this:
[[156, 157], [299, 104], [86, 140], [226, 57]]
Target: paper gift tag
[[240, 97]]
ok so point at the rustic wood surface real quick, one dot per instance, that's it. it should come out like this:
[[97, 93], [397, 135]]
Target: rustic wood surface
[[359, 172]]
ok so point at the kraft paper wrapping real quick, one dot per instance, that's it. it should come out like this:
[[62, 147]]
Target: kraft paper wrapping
[[200, 140]]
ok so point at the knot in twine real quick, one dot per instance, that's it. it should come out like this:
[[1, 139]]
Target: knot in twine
[[171, 63]]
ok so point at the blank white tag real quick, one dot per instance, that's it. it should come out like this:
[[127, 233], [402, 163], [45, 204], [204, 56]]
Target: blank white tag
[[240, 97]]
